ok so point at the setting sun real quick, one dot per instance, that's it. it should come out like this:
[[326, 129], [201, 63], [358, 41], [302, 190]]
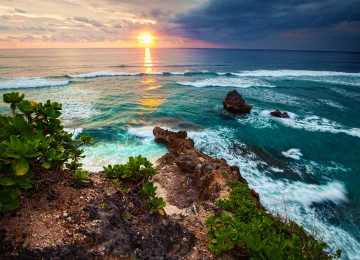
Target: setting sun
[[145, 39]]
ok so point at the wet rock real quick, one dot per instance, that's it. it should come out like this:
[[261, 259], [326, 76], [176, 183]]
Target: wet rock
[[234, 103], [278, 113]]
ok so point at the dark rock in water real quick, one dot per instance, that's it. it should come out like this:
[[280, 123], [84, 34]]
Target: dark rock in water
[[234, 103], [278, 113]]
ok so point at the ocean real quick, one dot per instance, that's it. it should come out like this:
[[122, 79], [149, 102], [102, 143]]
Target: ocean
[[306, 168]]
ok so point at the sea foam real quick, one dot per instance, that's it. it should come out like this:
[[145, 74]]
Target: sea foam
[[227, 82], [292, 199], [318, 124], [292, 73], [134, 142], [293, 154], [30, 82]]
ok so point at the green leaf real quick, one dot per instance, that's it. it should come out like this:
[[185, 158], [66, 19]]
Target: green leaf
[[46, 165], [49, 111], [21, 166], [10, 153], [14, 143], [24, 185], [36, 154], [19, 124], [7, 203], [15, 193], [13, 97], [6, 181]]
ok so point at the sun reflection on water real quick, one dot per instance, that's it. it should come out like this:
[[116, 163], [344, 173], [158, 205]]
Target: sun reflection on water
[[150, 100], [148, 61]]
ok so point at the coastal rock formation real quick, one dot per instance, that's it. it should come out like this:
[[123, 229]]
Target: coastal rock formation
[[234, 103], [278, 113], [191, 182]]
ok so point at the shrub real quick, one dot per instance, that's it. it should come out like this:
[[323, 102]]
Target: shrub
[[30, 138], [138, 170], [263, 236]]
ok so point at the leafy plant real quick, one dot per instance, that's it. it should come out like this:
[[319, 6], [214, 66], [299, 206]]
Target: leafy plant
[[81, 176], [263, 236], [32, 137], [156, 205], [138, 170]]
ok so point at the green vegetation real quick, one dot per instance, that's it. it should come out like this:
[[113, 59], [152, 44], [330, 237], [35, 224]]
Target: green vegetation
[[139, 171], [33, 138], [81, 176], [258, 234]]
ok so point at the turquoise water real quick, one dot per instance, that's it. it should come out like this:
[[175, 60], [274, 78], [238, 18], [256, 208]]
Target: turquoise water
[[310, 162]]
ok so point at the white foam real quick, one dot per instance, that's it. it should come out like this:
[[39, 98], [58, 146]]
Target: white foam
[[298, 196], [74, 131], [257, 119], [118, 151], [292, 73], [74, 111], [293, 153], [27, 82], [146, 132], [103, 74], [227, 82], [317, 124], [332, 104]]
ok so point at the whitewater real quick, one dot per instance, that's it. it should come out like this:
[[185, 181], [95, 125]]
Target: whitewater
[[305, 168]]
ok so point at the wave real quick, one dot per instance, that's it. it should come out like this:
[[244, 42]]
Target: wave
[[293, 153], [75, 131], [30, 82], [133, 142], [103, 74], [292, 199], [228, 82], [292, 73], [317, 124], [110, 73]]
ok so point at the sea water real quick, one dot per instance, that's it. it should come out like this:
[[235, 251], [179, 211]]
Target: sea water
[[306, 168]]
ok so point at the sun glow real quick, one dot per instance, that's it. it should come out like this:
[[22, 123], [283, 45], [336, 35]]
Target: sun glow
[[145, 39]]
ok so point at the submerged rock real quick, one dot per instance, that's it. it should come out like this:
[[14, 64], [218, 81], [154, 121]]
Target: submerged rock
[[234, 103], [280, 114]]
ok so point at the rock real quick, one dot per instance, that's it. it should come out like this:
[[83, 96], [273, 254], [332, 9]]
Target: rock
[[234, 103], [205, 179], [186, 164], [278, 113], [174, 141]]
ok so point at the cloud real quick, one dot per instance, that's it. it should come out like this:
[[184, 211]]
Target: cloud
[[4, 27], [235, 22], [19, 11], [118, 26], [158, 13], [86, 20]]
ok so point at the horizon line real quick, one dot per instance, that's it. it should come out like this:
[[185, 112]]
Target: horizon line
[[219, 48]]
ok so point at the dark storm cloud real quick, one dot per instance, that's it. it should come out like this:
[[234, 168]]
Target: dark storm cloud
[[240, 22], [86, 20]]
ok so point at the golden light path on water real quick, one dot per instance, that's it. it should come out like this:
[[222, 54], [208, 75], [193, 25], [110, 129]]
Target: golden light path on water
[[149, 101]]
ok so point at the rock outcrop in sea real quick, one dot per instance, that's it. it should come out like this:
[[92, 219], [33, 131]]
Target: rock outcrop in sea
[[234, 103], [278, 113]]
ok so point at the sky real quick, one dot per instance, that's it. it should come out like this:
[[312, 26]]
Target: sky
[[329, 25]]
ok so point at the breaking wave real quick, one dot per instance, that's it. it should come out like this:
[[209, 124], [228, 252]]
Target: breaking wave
[[30, 82]]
